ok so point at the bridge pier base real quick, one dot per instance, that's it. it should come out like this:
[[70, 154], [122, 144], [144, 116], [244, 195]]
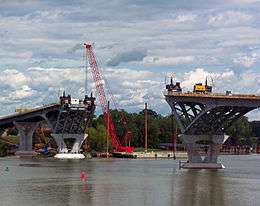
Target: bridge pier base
[[199, 157], [25, 132], [63, 151]]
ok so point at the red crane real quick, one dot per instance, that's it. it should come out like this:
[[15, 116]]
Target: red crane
[[99, 82]]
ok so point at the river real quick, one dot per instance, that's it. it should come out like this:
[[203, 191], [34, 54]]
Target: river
[[135, 182]]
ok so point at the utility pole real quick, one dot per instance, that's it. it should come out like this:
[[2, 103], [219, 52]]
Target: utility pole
[[107, 131], [145, 128]]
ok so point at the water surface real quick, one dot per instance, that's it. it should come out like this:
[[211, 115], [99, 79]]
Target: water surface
[[135, 182]]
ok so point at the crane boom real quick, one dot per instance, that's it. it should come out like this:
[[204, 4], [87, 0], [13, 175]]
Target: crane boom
[[99, 83]]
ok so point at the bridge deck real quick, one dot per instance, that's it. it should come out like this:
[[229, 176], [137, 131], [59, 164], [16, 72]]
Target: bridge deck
[[8, 119], [213, 95], [37, 109]]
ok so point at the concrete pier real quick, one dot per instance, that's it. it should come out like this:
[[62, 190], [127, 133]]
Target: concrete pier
[[62, 147], [206, 159], [25, 133]]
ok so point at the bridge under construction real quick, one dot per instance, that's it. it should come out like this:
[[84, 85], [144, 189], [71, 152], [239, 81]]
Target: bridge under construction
[[203, 117], [67, 119]]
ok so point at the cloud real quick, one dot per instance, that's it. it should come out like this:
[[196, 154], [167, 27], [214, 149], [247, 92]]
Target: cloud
[[200, 75], [229, 18], [185, 17], [137, 37], [75, 48], [127, 56], [37, 86], [13, 78], [245, 61], [25, 92], [245, 1], [247, 82], [168, 60]]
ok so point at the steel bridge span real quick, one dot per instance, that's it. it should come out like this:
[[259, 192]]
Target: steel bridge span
[[205, 118]]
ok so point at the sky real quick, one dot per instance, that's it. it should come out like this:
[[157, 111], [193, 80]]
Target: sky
[[138, 45]]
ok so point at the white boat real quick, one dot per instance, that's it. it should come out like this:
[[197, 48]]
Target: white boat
[[69, 156]]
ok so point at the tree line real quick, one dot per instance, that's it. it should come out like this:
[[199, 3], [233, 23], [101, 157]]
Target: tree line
[[161, 130]]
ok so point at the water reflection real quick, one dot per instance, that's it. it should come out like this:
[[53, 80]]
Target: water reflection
[[54, 182], [126, 182], [198, 187]]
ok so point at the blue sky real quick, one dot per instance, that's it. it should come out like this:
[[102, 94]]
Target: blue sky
[[137, 44]]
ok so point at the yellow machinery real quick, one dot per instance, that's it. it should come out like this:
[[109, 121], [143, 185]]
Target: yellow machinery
[[22, 109], [200, 88]]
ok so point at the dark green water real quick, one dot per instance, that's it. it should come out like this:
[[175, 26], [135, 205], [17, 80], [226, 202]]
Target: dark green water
[[128, 182]]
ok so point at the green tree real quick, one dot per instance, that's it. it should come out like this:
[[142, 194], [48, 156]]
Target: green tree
[[240, 132], [3, 149], [97, 138]]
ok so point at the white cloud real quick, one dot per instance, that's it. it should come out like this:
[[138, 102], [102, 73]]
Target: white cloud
[[47, 34], [130, 87], [229, 18], [185, 17], [246, 61], [13, 78], [127, 74], [162, 61], [245, 1], [24, 92]]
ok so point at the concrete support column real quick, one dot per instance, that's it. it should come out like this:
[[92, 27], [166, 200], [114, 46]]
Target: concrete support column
[[196, 156], [25, 132], [59, 139], [79, 139], [193, 154], [62, 148]]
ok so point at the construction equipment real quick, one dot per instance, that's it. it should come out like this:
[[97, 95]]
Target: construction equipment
[[99, 82], [174, 88], [22, 109], [200, 88]]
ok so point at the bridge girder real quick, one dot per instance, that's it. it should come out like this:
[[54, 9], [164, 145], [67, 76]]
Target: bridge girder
[[208, 116], [198, 119]]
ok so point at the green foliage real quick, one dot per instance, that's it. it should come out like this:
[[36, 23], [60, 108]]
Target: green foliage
[[3, 149], [97, 138], [240, 132], [159, 129], [12, 131]]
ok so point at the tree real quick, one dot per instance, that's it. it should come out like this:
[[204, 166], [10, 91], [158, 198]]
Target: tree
[[97, 139], [240, 132]]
